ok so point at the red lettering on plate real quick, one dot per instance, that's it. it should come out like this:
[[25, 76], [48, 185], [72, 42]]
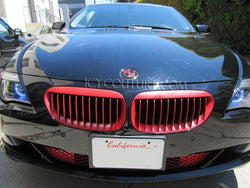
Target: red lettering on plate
[[126, 145]]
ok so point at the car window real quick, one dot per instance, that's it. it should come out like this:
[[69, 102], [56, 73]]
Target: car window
[[84, 19], [115, 15], [37, 31], [4, 28], [46, 30]]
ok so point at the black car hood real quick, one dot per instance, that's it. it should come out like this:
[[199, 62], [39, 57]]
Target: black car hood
[[159, 57]]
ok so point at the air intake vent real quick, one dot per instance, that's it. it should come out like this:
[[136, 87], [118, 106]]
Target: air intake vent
[[85, 108], [185, 161], [64, 156], [83, 160], [170, 111]]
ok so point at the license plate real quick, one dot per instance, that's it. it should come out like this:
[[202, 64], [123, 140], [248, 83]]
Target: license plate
[[128, 153]]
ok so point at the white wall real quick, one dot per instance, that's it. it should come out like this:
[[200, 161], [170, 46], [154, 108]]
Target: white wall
[[65, 12], [91, 2], [16, 10], [45, 4], [56, 8], [14, 13]]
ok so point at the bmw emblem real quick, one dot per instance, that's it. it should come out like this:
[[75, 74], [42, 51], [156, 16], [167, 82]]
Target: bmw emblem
[[129, 74]]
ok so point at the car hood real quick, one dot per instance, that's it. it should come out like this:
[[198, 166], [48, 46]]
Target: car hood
[[158, 57]]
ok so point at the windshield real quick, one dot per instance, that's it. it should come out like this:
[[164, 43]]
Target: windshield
[[124, 15]]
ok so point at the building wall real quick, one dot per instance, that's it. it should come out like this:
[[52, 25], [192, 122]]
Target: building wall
[[14, 14], [51, 5], [65, 12], [2, 10], [73, 5], [17, 12], [91, 2]]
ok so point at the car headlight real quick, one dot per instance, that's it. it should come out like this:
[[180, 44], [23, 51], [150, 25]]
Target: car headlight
[[241, 98], [12, 89]]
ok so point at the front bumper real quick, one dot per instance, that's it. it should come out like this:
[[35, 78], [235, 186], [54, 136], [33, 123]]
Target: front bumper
[[214, 134], [218, 164], [229, 148]]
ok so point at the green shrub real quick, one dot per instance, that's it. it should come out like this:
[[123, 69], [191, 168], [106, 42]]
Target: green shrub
[[228, 19], [230, 24]]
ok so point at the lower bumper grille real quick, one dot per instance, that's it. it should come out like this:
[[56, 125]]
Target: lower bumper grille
[[83, 160], [64, 156], [185, 161]]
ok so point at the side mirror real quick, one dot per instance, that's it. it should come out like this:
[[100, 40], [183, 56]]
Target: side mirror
[[17, 33], [58, 25], [204, 29]]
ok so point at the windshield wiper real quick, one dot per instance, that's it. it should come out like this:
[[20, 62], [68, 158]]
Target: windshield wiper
[[152, 26], [109, 26], [131, 26]]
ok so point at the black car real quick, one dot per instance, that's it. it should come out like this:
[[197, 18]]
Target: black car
[[10, 41], [127, 92]]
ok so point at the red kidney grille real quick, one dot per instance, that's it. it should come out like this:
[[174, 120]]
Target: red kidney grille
[[86, 108], [170, 111]]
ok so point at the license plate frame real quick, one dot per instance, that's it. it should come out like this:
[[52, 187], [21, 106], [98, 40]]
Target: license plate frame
[[139, 153]]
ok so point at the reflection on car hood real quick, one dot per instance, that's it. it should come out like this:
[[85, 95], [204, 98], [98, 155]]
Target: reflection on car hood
[[101, 54]]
